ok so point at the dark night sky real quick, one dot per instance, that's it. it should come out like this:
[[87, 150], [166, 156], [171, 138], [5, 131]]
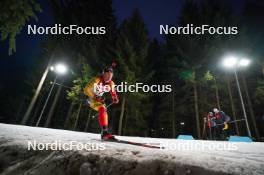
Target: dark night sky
[[14, 68], [154, 13]]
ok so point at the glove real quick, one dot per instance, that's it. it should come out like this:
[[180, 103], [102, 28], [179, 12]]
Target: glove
[[225, 126], [115, 100], [99, 99]]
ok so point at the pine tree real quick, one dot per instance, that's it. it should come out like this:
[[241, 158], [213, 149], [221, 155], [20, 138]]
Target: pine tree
[[14, 15], [132, 45]]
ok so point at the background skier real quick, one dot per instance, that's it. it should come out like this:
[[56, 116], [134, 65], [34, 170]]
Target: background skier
[[222, 128], [210, 125]]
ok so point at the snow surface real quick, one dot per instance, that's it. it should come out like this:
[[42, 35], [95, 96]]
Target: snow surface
[[117, 158]]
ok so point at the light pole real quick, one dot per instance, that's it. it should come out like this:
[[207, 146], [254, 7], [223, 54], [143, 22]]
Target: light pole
[[233, 62], [58, 69], [34, 99]]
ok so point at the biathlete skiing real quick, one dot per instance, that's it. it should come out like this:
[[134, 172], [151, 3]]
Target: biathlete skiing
[[95, 90]]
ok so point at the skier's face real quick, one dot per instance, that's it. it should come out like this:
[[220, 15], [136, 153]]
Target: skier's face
[[107, 76], [216, 110]]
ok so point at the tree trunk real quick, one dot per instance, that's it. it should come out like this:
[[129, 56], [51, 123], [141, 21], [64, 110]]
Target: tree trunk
[[88, 121], [173, 117], [36, 110], [253, 118], [196, 110], [68, 116], [121, 116], [263, 70], [217, 95], [77, 116], [51, 112], [125, 124], [19, 111], [232, 104]]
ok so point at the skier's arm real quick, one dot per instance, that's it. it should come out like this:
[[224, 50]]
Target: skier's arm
[[88, 90], [225, 117]]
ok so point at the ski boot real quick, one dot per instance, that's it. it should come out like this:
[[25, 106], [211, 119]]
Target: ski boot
[[105, 135]]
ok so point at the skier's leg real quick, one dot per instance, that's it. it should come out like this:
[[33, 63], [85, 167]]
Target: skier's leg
[[213, 132], [103, 121], [226, 134], [103, 117], [217, 133], [222, 132]]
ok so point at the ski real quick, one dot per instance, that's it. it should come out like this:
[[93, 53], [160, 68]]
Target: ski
[[136, 143], [133, 143]]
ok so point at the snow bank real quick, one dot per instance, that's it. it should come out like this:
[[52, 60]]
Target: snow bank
[[116, 158]]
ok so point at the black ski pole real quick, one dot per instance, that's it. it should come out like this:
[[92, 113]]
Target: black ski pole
[[105, 107], [61, 85], [231, 122]]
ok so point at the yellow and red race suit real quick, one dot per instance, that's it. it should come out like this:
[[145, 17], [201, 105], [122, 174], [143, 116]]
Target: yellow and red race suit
[[95, 90]]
